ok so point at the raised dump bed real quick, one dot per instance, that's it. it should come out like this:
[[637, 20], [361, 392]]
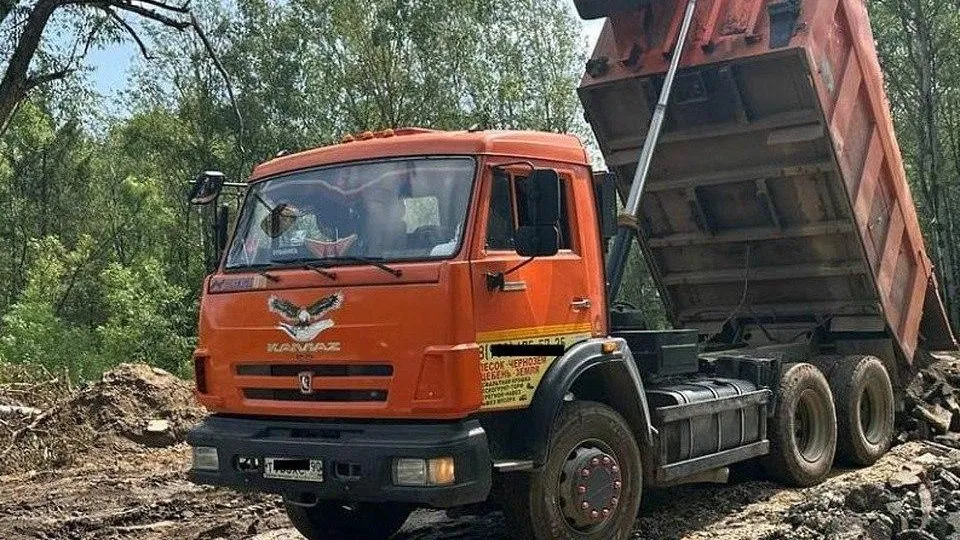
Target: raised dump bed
[[777, 192]]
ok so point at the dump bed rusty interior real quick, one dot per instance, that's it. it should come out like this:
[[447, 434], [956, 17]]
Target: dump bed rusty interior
[[778, 190]]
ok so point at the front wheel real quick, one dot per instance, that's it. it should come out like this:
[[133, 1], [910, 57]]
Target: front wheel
[[589, 488], [328, 520]]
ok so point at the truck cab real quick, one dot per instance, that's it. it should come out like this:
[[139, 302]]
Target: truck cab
[[373, 307]]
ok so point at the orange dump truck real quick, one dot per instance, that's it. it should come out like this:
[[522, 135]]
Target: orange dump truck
[[417, 318]]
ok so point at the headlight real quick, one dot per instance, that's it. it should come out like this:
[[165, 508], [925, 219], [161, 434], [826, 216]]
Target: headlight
[[206, 458], [424, 472]]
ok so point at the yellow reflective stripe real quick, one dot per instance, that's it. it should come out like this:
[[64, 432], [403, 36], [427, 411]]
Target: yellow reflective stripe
[[535, 332]]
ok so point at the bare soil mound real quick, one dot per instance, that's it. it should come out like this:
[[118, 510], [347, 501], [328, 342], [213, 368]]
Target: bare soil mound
[[131, 406]]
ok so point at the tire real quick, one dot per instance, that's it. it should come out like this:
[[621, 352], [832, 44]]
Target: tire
[[865, 409], [596, 9], [358, 521], [803, 429], [547, 504]]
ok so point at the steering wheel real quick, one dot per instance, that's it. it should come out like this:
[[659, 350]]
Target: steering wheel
[[426, 237]]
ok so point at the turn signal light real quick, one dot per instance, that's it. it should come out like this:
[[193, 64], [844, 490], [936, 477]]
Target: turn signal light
[[367, 135], [441, 471], [610, 347]]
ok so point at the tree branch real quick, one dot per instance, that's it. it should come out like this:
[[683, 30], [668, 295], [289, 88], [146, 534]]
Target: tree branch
[[226, 78], [36, 80], [185, 8], [149, 14], [130, 30]]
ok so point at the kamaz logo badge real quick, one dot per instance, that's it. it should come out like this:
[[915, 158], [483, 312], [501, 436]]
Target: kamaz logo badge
[[304, 323], [303, 348], [306, 382]]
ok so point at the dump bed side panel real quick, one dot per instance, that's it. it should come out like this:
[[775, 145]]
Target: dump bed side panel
[[778, 190]]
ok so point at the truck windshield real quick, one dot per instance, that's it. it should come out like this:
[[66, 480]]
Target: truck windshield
[[409, 209]]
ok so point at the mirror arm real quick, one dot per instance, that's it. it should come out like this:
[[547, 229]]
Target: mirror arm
[[503, 166], [496, 281], [519, 266]]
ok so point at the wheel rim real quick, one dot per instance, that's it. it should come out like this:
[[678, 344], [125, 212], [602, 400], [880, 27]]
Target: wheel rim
[[872, 411], [589, 487], [810, 431]]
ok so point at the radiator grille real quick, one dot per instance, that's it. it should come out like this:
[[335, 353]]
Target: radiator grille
[[319, 370], [342, 396]]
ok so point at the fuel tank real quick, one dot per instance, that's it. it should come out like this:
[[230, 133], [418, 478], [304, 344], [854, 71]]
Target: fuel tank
[[706, 416]]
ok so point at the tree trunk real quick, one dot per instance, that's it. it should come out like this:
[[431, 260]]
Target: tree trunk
[[16, 83]]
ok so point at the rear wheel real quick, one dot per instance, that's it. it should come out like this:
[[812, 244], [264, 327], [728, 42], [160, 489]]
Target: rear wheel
[[803, 430], [589, 488], [865, 409], [342, 521]]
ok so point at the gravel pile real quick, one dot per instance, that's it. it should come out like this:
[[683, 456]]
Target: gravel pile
[[920, 501], [932, 405]]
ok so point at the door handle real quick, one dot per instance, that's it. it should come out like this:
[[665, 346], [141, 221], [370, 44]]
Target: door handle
[[581, 304]]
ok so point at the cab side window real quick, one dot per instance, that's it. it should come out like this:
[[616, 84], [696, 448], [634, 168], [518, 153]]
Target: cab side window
[[500, 221]]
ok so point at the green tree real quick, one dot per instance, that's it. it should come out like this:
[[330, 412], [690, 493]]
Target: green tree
[[916, 40]]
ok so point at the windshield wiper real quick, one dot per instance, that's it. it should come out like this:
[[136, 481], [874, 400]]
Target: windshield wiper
[[307, 263], [320, 270], [372, 261]]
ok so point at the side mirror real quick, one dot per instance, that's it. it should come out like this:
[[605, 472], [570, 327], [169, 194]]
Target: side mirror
[[537, 240], [539, 198], [605, 186], [206, 188]]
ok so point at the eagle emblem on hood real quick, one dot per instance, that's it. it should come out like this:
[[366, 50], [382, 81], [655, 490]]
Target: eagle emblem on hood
[[304, 323]]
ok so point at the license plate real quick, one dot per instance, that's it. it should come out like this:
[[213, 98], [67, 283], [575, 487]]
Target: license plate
[[303, 469]]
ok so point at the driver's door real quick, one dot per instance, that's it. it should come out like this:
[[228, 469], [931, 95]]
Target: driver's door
[[547, 304]]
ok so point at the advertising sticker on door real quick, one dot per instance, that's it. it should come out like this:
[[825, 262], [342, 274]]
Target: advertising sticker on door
[[513, 362]]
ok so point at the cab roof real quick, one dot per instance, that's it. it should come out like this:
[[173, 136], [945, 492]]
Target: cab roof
[[420, 142]]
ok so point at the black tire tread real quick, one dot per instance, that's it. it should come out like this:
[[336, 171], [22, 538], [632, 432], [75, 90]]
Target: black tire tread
[[843, 383], [779, 464], [518, 501]]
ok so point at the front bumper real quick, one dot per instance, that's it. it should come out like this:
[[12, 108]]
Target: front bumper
[[363, 452]]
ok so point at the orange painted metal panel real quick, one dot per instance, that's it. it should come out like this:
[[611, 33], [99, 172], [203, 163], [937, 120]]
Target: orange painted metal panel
[[766, 142]]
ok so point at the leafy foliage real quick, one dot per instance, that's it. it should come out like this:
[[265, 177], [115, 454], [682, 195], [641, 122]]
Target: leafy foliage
[[917, 42], [105, 258]]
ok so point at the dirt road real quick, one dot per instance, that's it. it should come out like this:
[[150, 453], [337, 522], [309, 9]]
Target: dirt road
[[145, 495], [122, 480]]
